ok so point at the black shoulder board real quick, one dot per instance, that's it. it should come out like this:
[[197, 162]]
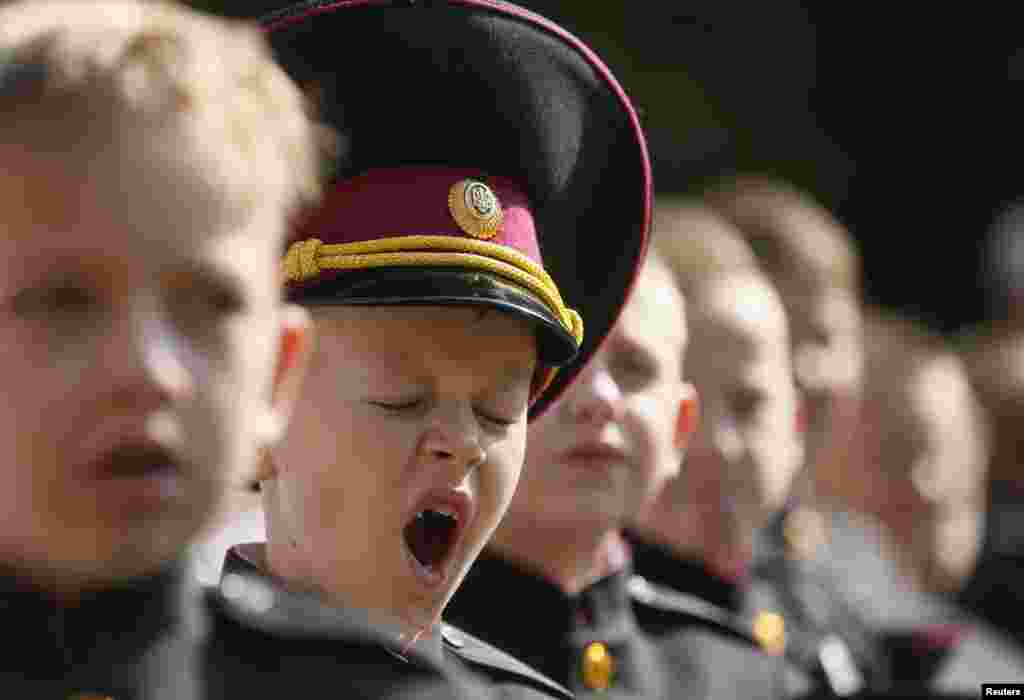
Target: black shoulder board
[[498, 665], [699, 611]]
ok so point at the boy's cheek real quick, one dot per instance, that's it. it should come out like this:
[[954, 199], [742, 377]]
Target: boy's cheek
[[234, 364]]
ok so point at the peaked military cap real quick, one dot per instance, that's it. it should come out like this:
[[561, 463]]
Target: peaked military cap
[[492, 159]]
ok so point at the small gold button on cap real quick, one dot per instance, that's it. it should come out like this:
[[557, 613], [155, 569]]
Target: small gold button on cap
[[598, 666], [769, 630]]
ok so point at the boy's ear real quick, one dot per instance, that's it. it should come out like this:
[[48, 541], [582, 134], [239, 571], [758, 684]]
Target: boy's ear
[[801, 415], [293, 356], [687, 417], [295, 349]]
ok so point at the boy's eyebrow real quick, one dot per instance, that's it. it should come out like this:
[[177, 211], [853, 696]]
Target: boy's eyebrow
[[622, 343], [516, 373], [751, 389], [211, 275]]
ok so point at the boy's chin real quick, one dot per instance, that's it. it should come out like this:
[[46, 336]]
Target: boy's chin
[[411, 619], [82, 573], [148, 548], [589, 512]]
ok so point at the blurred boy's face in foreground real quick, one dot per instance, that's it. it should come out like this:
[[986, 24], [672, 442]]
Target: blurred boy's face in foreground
[[603, 451], [139, 326], [748, 447], [407, 445]]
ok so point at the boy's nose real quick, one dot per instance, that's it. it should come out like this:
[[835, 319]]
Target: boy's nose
[[454, 440], [162, 356], [595, 399], [133, 370]]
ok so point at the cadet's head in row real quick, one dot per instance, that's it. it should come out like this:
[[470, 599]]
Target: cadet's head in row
[[603, 451], [748, 447], [445, 277], [994, 356], [810, 259], [150, 158], [921, 450]]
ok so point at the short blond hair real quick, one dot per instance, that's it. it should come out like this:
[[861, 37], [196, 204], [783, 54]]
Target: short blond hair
[[70, 68], [791, 233], [696, 243]]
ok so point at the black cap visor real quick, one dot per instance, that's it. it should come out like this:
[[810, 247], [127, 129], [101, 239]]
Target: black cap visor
[[444, 286]]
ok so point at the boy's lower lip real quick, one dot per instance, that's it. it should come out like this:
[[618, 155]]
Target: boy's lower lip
[[134, 477], [432, 577], [592, 463], [586, 471], [137, 494]]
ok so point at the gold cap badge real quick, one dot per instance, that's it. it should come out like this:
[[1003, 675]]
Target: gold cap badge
[[598, 666], [770, 632], [475, 209]]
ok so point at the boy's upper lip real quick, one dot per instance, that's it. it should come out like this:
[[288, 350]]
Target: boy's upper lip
[[595, 449], [130, 436], [459, 500]]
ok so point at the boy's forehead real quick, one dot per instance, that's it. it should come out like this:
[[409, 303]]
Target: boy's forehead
[[724, 354], [939, 392], [929, 412], [155, 210], [31, 195], [742, 305], [825, 310], [337, 316], [407, 334], [656, 310]]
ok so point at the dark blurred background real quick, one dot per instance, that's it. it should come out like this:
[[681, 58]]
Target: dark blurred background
[[902, 121]]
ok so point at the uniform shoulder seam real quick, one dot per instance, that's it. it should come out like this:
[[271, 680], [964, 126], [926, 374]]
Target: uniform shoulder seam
[[644, 592], [480, 653]]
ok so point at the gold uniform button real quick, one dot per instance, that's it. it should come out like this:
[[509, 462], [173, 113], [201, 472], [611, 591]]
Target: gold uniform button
[[598, 666], [769, 630]]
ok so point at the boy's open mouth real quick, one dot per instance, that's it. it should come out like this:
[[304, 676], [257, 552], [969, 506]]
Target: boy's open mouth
[[135, 477], [430, 536], [433, 533], [135, 460]]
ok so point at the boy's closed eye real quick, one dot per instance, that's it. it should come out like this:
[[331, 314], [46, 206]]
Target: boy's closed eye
[[204, 293], [632, 367], [397, 405], [746, 402], [417, 405], [55, 299]]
